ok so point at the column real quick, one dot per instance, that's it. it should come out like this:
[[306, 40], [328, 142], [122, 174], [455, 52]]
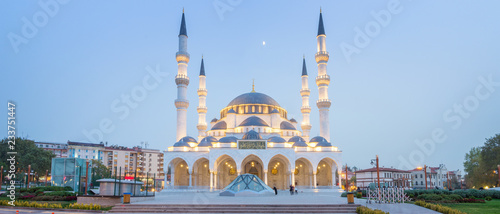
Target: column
[[340, 179], [293, 178], [333, 177], [314, 180], [172, 176], [265, 177], [211, 179], [215, 180], [190, 171]]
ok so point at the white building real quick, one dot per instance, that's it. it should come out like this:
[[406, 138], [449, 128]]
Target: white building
[[437, 177], [89, 151], [253, 135], [59, 149], [390, 176]]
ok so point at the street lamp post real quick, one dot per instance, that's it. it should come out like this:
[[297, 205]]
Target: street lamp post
[[29, 175], [1, 177], [498, 172], [346, 181], [46, 176], [86, 177], [378, 171], [425, 175]]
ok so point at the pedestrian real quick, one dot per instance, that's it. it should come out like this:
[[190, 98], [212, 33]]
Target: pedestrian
[[275, 191], [291, 189]]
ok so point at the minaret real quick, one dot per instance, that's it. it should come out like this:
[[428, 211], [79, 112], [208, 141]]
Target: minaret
[[305, 109], [182, 81], [323, 80], [202, 104]]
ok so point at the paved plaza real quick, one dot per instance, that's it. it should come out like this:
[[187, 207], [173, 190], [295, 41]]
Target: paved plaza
[[283, 197]]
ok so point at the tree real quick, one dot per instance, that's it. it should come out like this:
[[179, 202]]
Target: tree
[[27, 154], [481, 162], [99, 171], [490, 158]]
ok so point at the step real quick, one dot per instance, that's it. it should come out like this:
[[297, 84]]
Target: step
[[235, 208]]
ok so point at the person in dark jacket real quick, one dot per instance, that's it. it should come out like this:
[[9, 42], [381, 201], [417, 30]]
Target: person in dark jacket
[[275, 191]]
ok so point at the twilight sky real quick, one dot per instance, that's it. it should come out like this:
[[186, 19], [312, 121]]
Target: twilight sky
[[416, 82]]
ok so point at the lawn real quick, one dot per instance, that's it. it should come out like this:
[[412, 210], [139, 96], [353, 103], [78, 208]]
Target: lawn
[[492, 207]]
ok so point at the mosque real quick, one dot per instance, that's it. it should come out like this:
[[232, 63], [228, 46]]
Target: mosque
[[253, 135]]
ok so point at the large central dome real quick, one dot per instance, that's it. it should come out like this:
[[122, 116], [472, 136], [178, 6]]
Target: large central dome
[[253, 98]]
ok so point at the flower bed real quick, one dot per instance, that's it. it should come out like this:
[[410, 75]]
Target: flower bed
[[52, 205]]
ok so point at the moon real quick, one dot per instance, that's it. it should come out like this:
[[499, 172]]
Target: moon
[[263, 43]]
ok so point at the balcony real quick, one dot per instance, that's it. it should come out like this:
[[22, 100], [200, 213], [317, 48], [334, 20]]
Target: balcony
[[322, 56]]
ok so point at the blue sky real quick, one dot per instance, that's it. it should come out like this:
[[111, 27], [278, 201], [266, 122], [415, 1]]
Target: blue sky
[[399, 85]]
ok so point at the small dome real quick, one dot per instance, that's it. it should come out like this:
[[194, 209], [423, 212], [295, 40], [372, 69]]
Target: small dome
[[228, 139], [287, 126], [300, 144], [252, 135], [214, 120], [253, 121], [296, 139], [207, 141], [188, 139], [231, 111], [276, 140], [320, 141], [293, 120], [275, 111], [219, 125], [181, 144]]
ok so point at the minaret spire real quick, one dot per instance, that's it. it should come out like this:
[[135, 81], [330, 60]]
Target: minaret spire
[[305, 109], [202, 103], [321, 28], [323, 80], [182, 82], [183, 30]]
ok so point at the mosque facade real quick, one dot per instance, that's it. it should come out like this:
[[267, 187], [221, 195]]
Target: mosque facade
[[253, 135]]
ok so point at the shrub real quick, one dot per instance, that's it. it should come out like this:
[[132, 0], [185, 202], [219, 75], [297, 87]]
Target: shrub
[[366, 210], [488, 198], [430, 197], [452, 197], [359, 195], [344, 194], [84, 206]]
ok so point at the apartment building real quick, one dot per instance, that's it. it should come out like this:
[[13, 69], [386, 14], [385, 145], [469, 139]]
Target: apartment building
[[59, 149]]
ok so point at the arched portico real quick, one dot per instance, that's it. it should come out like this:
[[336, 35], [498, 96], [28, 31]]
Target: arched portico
[[325, 173], [179, 173], [303, 173], [278, 172], [201, 173], [225, 171], [252, 164]]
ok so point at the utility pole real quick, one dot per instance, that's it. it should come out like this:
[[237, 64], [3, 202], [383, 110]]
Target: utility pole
[[46, 176]]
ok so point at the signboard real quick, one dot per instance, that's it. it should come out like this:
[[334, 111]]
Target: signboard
[[252, 144]]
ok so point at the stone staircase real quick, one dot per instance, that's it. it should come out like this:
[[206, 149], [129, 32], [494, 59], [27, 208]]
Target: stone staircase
[[234, 208]]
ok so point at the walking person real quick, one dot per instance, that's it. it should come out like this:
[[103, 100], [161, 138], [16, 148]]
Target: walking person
[[275, 190], [291, 189]]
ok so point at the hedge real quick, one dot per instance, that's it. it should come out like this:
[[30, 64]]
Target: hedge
[[439, 208], [366, 210], [462, 193]]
